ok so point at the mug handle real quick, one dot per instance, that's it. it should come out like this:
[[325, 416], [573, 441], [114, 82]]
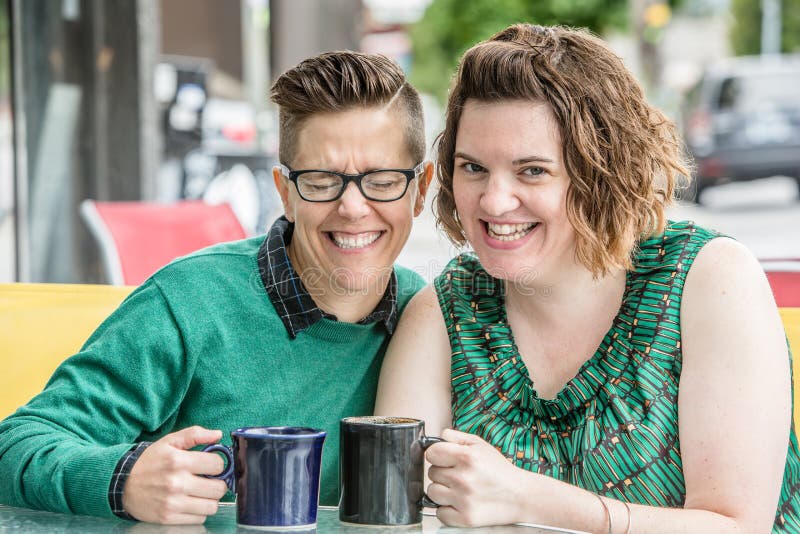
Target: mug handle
[[227, 473], [425, 442]]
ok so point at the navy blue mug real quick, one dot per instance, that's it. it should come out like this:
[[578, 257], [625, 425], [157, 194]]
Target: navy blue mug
[[274, 472]]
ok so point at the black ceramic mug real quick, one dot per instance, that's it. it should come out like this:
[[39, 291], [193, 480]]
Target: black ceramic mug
[[381, 470], [275, 473]]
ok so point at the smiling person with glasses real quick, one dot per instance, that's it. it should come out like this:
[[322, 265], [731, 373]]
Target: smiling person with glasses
[[351, 181], [284, 329]]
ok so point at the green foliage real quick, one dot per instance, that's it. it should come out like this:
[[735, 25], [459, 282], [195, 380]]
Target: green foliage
[[790, 35], [746, 29], [449, 27], [5, 54]]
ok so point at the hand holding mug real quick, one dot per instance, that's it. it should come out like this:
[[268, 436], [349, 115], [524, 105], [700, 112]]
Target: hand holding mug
[[474, 483], [165, 484]]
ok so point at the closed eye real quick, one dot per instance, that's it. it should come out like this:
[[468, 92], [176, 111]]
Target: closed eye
[[321, 187], [382, 185]]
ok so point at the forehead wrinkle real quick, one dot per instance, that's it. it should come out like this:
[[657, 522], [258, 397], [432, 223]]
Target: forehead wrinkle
[[353, 152]]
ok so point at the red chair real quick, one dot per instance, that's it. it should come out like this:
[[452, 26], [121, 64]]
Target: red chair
[[138, 238], [784, 278]]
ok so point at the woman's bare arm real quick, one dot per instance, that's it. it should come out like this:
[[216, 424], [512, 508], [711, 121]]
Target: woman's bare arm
[[415, 377], [735, 392]]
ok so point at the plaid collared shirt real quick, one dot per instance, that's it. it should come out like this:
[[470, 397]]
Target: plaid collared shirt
[[293, 302], [120, 477], [297, 310]]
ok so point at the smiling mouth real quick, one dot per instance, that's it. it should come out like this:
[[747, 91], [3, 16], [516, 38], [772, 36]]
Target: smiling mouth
[[354, 241], [508, 232]]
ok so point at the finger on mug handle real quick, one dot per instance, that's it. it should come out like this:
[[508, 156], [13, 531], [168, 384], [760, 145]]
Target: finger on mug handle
[[227, 473], [425, 442]]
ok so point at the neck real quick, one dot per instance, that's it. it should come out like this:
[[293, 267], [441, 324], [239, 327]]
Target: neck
[[572, 292], [348, 303]]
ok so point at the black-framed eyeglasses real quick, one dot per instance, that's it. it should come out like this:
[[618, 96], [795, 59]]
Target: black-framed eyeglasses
[[380, 185]]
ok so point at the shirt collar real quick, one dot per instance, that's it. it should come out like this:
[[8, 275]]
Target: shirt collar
[[292, 301]]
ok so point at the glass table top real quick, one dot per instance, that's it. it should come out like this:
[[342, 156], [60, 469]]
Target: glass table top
[[26, 520]]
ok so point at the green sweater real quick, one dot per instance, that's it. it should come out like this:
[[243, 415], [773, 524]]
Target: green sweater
[[199, 343]]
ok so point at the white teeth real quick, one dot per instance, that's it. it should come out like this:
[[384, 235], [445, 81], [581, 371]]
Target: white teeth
[[509, 232], [355, 241]]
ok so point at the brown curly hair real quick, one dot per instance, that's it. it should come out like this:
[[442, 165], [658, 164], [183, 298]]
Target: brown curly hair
[[623, 155]]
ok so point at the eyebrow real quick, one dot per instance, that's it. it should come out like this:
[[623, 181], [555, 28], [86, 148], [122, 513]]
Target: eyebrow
[[520, 161]]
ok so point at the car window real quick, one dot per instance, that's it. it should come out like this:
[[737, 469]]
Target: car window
[[751, 92]]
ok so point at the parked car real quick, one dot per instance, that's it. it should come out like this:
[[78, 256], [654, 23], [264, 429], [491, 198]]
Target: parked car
[[742, 121]]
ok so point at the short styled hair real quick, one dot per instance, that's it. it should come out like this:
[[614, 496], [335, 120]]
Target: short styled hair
[[623, 155], [341, 81]]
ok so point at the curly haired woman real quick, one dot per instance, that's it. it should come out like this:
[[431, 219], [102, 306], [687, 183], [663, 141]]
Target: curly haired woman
[[602, 368]]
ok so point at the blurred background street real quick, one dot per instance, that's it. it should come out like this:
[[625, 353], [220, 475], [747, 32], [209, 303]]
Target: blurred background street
[[166, 101], [764, 216]]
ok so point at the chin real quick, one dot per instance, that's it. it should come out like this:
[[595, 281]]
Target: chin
[[518, 274], [363, 281]]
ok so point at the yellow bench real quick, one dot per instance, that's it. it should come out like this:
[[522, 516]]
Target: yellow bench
[[41, 324], [791, 323]]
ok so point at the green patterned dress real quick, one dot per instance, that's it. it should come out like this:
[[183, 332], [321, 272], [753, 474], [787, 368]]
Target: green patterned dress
[[613, 429]]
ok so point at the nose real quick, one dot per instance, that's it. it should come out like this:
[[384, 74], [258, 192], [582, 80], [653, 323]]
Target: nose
[[352, 204], [498, 196]]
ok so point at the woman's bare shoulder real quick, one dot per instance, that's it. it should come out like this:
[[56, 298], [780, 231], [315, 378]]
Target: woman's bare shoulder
[[423, 305], [727, 302], [726, 270]]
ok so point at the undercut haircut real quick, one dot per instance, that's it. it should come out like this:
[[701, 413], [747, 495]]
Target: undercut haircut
[[342, 81]]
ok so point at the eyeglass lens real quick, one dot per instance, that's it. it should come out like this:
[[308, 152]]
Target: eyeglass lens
[[379, 185]]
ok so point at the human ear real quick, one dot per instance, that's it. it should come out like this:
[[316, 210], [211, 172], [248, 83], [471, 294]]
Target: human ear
[[282, 185], [423, 181]]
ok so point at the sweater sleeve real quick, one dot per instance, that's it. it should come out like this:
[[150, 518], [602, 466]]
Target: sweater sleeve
[[59, 451]]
